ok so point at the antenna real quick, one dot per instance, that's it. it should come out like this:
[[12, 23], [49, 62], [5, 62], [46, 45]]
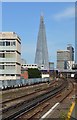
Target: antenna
[[42, 14]]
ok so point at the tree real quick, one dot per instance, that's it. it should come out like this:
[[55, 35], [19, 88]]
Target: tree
[[34, 73]]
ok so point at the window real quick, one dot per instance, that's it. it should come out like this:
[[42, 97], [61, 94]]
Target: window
[[2, 43], [1, 62], [13, 43], [1, 66], [12, 75], [10, 67], [17, 75], [1, 74], [2, 55], [10, 51], [7, 43], [8, 75]]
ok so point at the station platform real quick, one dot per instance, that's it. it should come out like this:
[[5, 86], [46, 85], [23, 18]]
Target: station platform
[[74, 113]]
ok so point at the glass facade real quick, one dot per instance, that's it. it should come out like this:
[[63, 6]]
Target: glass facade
[[71, 49], [41, 57], [75, 32]]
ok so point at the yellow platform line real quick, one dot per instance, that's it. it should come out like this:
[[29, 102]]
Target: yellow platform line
[[70, 111]]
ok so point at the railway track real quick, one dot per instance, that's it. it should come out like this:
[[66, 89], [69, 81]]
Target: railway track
[[18, 97], [15, 111], [27, 96], [37, 112]]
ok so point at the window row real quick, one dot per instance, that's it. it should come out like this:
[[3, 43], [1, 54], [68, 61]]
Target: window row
[[7, 75], [7, 62], [7, 43], [7, 55], [29, 65], [7, 67]]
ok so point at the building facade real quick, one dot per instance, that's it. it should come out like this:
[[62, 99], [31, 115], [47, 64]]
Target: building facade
[[23, 61], [41, 56], [71, 49], [70, 64], [76, 45], [51, 65], [10, 56], [24, 73], [62, 57]]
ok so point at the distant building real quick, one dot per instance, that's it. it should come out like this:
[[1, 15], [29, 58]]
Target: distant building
[[24, 73], [62, 57], [33, 66], [76, 33], [51, 65], [74, 66], [23, 61], [70, 64], [10, 56], [26, 66], [71, 49], [41, 57]]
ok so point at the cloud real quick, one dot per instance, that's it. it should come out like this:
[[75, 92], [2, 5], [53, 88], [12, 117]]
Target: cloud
[[67, 13]]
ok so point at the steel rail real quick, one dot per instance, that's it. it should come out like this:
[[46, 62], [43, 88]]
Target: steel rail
[[38, 112], [6, 101], [26, 106]]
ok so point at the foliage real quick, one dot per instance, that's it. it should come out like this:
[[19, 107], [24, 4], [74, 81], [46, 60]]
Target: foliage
[[34, 73]]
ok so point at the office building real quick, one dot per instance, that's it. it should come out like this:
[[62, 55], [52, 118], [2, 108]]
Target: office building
[[23, 61], [41, 57], [51, 65], [70, 64], [10, 56], [71, 49], [76, 49], [62, 57]]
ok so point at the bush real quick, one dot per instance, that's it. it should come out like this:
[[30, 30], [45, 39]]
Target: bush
[[34, 73]]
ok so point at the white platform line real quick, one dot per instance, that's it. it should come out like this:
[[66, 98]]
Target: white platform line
[[45, 115]]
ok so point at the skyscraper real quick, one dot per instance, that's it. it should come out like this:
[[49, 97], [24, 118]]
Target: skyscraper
[[76, 51], [41, 57], [71, 49], [76, 32]]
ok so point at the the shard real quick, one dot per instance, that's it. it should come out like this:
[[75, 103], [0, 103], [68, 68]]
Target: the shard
[[41, 57]]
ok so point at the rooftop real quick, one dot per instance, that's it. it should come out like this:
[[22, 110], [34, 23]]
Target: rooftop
[[9, 35]]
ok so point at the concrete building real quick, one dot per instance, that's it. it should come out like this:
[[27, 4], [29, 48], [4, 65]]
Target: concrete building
[[10, 56], [76, 45], [62, 57], [24, 73], [71, 49], [51, 65], [76, 33], [23, 61], [70, 65]]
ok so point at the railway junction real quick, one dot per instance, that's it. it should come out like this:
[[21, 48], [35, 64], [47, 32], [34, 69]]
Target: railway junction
[[47, 100]]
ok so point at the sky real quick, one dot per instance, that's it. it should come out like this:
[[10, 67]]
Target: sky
[[24, 19]]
